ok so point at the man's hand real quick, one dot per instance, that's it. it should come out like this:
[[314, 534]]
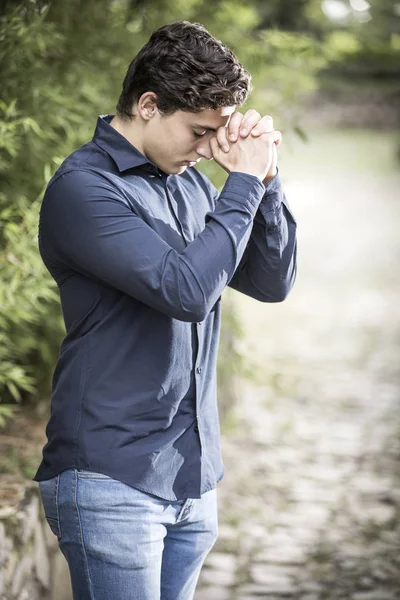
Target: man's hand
[[241, 126], [252, 155]]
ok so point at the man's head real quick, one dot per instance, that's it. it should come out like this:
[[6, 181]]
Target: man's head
[[181, 86]]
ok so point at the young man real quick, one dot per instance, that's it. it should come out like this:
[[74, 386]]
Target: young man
[[141, 246]]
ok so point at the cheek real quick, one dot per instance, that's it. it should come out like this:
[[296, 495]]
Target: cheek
[[182, 143], [174, 141]]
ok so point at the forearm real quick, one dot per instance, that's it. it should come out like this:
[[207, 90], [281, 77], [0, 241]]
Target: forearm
[[90, 230], [268, 268]]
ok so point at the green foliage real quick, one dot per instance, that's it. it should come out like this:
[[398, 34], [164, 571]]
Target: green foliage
[[363, 43], [7, 411], [62, 64]]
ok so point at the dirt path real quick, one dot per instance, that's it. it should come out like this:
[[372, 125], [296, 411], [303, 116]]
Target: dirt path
[[310, 503]]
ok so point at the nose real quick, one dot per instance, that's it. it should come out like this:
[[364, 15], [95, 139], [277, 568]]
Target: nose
[[203, 149]]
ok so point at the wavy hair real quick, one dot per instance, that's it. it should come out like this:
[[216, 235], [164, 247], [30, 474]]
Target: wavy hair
[[187, 69]]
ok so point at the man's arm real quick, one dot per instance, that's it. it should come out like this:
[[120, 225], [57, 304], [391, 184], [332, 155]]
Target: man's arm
[[268, 267], [88, 227]]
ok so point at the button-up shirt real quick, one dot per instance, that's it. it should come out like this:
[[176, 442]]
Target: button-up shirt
[[141, 259]]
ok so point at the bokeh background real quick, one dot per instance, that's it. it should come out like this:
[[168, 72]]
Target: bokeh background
[[309, 388]]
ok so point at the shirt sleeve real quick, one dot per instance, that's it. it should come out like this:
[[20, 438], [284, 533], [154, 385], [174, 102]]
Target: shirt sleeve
[[268, 267], [87, 226]]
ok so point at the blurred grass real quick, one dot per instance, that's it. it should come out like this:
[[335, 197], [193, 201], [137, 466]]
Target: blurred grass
[[350, 150]]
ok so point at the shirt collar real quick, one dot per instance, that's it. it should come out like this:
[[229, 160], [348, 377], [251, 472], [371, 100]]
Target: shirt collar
[[117, 146]]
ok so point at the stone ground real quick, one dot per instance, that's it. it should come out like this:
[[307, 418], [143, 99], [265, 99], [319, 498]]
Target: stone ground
[[310, 502]]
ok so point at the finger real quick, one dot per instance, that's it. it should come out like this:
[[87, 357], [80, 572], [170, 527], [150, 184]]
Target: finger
[[277, 137], [273, 137], [250, 120], [217, 154], [264, 125], [222, 139], [272, 171], [233, 127]]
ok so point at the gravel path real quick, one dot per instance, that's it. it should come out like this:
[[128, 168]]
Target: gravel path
[[310, 503]]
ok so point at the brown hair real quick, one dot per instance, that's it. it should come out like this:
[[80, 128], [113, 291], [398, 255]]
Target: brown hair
[[187, 69]]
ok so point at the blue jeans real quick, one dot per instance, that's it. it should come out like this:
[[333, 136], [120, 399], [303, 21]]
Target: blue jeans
[[123, 544]]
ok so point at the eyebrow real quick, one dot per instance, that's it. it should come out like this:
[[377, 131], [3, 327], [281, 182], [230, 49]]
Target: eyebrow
[[204, 127]]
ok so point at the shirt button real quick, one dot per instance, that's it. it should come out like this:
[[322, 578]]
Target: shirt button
[[273, 228], [198, 370]]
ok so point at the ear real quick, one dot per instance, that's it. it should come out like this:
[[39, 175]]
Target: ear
[[147, 105]]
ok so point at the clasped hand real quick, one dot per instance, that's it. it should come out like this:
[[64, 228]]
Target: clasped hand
[[248, 144]]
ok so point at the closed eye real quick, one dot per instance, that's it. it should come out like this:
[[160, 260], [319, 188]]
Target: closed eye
[[198, 135]]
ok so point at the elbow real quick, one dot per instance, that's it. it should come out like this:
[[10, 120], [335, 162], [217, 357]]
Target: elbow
[[194, 313], [195, 304], [280, 291], [286, 283], [199, 310], [278, 295], [192, 316]]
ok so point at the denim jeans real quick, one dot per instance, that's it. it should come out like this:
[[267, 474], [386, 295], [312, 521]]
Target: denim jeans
[[124, 544]]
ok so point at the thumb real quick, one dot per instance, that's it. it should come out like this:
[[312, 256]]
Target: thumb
[[216, 150], [277, 137]]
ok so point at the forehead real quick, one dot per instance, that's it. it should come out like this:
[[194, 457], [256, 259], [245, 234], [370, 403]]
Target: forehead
[[208, 118]]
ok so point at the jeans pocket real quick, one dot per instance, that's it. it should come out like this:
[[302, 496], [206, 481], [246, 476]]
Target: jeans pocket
[[85, 474], [49, 495]]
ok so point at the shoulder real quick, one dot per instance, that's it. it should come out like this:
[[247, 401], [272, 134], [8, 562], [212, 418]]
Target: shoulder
[[89, 162], [74, 191]]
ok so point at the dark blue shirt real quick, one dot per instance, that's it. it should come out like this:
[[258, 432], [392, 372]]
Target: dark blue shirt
[[141, 259]]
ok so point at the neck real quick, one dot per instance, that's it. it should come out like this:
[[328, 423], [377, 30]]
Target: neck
[[130, 130]]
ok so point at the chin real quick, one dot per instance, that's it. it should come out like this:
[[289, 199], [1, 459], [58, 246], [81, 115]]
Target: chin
[[179, 170], [172, 169]]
